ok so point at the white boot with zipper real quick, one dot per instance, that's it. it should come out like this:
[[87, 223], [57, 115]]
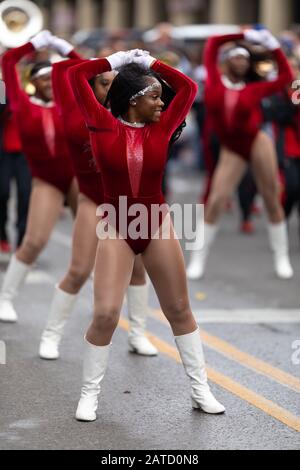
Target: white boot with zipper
[[13, 280], [60, 311], [94, 367], [191, 353], [137, 303], [278, 236], [198, 260]]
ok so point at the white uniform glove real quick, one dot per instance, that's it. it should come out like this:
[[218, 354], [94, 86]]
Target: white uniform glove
[[62, 46], [42, 39], [121, 58], [117, 60], [253, 36], [144, 59], [269, 41]]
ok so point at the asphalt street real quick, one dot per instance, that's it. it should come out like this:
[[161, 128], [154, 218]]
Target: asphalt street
[[250, 323]]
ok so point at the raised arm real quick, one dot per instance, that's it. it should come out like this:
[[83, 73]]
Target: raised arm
[[211, 55], [63, 93], [13, 85], [95, 115], [284, 79], [185, 89]]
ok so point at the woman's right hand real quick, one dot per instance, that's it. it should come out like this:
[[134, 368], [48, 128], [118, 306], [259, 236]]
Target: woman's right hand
[[42, 39], [119, 59]]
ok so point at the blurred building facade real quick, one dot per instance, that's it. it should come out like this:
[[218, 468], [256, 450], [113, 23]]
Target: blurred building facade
[[68, 15]]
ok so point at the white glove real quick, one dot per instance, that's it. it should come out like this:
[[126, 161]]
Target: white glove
[[269, 41], [41, 40], [121, 58], [253, 36], [117, 60], [145, 61], [62, 46]]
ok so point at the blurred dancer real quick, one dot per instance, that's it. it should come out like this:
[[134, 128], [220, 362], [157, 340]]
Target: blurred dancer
[[235, 110], [44, 144], [131, 146], [13, 166], [85, 240]]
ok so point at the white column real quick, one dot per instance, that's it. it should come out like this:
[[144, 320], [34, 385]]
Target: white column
[[115, 13], [224, 11], [86, 14], [61, 17], [276, 14], [182, 12], [146, 13]]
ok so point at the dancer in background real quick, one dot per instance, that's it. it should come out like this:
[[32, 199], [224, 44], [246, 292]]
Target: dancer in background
[[235, 110], [44, 144], [13, 167], [84, 244]]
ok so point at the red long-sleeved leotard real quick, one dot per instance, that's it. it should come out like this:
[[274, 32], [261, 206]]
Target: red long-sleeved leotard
[[40, 127], [131, 160], [236, 114], [77, 134]]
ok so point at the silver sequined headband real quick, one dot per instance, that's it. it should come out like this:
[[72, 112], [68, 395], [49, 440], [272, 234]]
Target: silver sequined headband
[[144, 91]]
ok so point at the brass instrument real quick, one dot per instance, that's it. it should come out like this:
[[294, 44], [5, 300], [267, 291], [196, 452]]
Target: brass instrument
[[19, 21]]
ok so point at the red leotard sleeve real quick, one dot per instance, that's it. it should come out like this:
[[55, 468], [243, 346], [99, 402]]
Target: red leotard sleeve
[[211, 55], [186, 90], [62, 89], [285, 77], [95, 115], [13, 85]]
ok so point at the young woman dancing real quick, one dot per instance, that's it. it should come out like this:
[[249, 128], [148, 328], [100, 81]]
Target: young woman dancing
[[44, 145], [85, 240], [131, 147], [234, 107]]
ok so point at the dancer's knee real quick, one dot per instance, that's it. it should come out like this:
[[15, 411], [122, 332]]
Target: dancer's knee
[[106, 317]]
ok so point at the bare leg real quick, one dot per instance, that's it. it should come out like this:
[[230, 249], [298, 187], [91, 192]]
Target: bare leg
[[164, 263], [44, 209], [45, 204], [265, 169], [228, 174], [84, 246], [113, 270]]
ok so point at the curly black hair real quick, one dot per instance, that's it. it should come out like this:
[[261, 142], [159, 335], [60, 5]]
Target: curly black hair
[[131, 79]]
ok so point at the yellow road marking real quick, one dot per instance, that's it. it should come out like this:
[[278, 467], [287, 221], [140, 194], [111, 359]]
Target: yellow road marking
[[257, 365], [200, 296], [267, 406]]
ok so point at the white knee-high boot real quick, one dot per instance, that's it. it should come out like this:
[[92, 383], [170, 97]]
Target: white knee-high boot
[[60, 310], [191, 353], [199, 256], [137, 303], [13, 280], [94, 367], [280, 246]]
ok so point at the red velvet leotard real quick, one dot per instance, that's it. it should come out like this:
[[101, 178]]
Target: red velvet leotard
[[77, 134], [131, 160], [236, 113], [40, 127]]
